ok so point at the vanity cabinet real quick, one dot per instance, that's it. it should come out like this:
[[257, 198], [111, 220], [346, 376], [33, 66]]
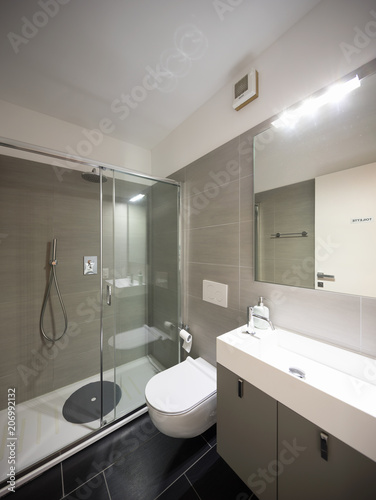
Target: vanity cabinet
[[314, 465], [281, 455], [247, 432]]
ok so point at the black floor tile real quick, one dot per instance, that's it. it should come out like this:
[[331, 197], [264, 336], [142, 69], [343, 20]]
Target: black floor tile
[[212, 478], [79, 468], [95, 489], [48, 485], [179, 490], [148, 471], [210, 435]]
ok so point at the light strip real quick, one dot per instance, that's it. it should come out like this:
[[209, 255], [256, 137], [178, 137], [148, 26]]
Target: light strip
[[138, 197], [311, 105]]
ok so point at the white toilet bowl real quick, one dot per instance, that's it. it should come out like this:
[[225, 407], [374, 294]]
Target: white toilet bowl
[[182, 400]]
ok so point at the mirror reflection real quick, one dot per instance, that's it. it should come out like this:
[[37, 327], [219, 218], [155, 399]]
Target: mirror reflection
[[315, 191]]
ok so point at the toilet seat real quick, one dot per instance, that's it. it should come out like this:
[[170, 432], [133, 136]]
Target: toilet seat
[[182, 400], [182, 387]]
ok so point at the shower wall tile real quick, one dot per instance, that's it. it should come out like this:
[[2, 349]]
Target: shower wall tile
[[246, 198], [165, 351], [37, 204], [79, 366], [165, 257], [71, 251], [218, 205], [215, 245], [10, 336], [24, 272], [218, 167], [6, 382], [79, 338], [206, 322], [246, 154], [165, 306], [163, 289], [246, 289], [130, 313], [34, 374], [72, 215]]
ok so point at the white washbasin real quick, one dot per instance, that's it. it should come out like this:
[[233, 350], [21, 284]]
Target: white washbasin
[[338, 392]]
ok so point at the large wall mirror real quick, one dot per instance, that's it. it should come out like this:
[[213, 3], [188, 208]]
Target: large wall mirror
[[315, 191]]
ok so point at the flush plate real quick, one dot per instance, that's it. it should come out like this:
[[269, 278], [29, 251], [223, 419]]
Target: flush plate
[[216, 293]]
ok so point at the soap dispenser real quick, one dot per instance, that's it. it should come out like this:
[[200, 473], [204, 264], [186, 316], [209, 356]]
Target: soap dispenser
[[262, 310], [140, 277]]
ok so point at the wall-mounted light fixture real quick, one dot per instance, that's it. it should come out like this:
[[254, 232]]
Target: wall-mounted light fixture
[[311, 105]]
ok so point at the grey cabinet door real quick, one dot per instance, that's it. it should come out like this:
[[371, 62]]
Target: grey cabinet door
[[304, 474], [247, 433]]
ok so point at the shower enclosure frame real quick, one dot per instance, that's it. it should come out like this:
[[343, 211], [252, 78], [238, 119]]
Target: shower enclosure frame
[[105, 428]]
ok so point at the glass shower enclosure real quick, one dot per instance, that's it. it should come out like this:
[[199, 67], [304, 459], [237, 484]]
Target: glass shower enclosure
[[89, 305]]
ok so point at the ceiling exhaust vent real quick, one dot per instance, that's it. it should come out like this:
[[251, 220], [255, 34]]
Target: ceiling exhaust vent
[[246, 90]]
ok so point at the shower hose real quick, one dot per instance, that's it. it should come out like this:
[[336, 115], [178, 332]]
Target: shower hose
[[53, 277]]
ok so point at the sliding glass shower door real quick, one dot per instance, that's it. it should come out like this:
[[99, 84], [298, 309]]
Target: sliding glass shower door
[[112, 239], [140, 286]]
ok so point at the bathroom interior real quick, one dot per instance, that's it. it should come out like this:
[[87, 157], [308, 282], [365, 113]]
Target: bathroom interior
[[107, 245]]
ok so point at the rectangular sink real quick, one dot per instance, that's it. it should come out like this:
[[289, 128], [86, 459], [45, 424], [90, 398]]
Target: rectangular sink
[[337, 393]]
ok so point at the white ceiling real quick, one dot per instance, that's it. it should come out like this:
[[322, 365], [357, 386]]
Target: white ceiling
[[78, 59]]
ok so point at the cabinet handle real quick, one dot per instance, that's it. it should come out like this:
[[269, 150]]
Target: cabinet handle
[[240, 388], [324, 445]]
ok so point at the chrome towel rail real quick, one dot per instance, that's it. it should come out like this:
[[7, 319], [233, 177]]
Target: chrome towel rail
[[289, 235]]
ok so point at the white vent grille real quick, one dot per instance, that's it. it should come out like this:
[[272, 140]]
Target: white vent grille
[[241, 86], [246, 90]]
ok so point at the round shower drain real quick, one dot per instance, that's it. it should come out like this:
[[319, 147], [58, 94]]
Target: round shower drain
[[84, 405]]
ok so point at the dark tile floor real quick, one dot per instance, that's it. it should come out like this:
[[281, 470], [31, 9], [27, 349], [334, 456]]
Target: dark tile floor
[[137, 462]]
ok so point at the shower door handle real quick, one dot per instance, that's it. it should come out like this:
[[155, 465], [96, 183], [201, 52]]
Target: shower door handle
[[109, 295]]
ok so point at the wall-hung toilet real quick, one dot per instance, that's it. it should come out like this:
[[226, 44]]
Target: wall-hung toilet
[[182, 400]]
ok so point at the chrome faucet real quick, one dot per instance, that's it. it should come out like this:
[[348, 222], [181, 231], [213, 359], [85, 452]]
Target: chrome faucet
[[250, 322]]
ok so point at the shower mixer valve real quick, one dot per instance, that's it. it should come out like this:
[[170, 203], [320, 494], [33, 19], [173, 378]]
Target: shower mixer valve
[[90, 265]]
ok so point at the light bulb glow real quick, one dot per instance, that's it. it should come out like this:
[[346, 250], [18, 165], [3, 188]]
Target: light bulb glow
[[138, 197], [310, 106]]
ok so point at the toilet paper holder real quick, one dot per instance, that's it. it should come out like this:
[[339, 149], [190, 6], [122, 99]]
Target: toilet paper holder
[[186, 336]]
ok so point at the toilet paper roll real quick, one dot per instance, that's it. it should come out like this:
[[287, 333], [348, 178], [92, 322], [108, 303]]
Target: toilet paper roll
[[187, 338]]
